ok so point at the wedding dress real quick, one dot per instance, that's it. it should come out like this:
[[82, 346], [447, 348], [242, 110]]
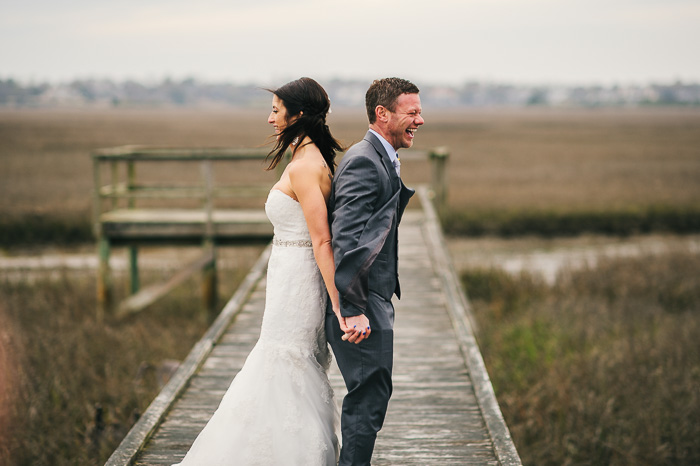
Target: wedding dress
[[280, 408]]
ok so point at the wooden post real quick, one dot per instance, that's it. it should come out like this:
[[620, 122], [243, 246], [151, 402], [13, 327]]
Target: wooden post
[[103, 274], [104, 278], [438, 159], [114, 183], [134, 280], [209, 285], [96, 196], [209, 278], [131, 178]]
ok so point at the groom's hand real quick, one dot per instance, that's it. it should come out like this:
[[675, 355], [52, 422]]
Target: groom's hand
[[359, 328]]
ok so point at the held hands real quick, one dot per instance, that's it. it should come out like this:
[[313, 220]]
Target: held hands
[[356, 328]]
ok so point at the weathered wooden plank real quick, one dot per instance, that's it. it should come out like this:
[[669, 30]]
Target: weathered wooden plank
[[182, 154], [135, 192], [178, 223], [150, 294], [434, 417], [182, 216], [460, 314]]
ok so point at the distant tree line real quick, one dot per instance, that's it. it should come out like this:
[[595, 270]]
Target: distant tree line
[[344, 93]]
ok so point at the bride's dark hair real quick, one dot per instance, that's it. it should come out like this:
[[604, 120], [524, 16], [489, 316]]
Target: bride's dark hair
[[307, 100]]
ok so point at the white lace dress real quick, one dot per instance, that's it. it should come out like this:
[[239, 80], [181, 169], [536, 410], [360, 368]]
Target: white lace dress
[[280, 409]]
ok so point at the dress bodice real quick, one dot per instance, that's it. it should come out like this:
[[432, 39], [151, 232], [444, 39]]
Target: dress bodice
[[287, 217]]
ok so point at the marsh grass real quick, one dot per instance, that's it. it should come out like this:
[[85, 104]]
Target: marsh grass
[[563, 222], [554, 171], [34, 228], [603, 367], [71, 387]]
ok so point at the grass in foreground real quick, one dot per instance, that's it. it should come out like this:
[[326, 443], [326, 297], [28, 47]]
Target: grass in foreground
[[601, 368], [71, 388]]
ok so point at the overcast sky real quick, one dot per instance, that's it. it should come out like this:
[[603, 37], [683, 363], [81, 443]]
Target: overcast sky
[[427, 41]]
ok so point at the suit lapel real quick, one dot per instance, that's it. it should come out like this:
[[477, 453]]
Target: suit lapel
[[391, 171]]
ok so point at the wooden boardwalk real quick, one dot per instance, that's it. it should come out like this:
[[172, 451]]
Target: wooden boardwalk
[[443, 410]]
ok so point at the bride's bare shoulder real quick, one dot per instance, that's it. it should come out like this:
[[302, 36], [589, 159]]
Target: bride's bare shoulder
[[310, 164]]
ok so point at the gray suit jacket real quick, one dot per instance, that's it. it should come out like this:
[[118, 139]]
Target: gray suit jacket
[[365, 207]]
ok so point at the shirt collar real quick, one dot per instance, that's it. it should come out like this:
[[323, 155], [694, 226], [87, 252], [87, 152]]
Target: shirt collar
[[393, 156]]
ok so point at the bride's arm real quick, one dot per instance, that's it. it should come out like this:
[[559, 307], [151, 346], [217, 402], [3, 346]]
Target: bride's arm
[[305, 179]]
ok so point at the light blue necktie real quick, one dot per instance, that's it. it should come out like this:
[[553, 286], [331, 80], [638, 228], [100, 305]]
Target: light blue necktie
[[397, 166]]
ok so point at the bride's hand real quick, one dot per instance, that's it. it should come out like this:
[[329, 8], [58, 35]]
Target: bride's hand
[[343, 325], [341, 319]]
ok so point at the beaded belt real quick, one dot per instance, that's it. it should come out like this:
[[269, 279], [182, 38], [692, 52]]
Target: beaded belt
[[299, 243]]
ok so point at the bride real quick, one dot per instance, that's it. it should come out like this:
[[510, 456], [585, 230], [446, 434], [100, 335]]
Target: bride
[[280, 407]]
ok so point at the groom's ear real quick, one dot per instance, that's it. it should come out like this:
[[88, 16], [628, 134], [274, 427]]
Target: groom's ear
[[381, 112]]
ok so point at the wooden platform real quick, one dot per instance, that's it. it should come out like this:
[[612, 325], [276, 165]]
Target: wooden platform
[[136, 211], [183, 225], [443, 411]]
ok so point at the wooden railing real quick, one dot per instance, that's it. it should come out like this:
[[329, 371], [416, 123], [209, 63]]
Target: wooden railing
[[120, 219]]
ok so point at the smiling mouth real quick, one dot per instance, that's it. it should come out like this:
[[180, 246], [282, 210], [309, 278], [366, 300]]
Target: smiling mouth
[[412, 132]]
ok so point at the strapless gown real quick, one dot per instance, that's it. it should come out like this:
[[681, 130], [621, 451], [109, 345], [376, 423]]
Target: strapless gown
[[280, 408]]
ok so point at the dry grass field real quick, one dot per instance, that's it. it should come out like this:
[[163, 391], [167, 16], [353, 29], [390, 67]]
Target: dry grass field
[[602, 367], [572, 159], [70, 386], [500, 159], [599, 368], [46, 165]]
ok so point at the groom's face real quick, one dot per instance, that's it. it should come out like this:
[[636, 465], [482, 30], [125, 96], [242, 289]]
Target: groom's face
[[404, 121]]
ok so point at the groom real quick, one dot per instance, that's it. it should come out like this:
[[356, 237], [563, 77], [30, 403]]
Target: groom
[[365, 208]]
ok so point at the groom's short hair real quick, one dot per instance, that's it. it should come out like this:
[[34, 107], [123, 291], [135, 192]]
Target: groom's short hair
[[385, 92]]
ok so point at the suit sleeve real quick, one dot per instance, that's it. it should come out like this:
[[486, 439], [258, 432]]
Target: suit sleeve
[[356, 194]]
